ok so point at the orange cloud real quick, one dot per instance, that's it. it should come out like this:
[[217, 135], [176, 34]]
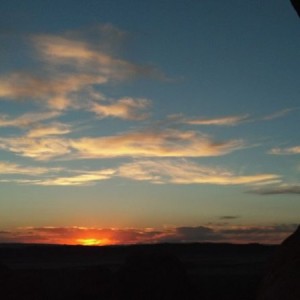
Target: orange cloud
[[181, 234]]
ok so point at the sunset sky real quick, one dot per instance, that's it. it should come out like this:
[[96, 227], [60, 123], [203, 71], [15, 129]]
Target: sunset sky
[[149, 121]]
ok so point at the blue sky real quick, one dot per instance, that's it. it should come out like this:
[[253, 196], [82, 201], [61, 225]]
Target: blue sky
[[123, 117]]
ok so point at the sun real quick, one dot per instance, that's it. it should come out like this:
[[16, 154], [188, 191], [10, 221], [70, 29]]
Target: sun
[[93, 242]]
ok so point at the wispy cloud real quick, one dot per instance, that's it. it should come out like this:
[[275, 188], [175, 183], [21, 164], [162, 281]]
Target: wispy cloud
[[181, 234], [88, 64], [83, 179], [222, 121], [84, 56], [27, 119], [232, 120], [49, 129], [186, 172], [161, 171], [164, 143], [12, 168], [279, 114], [125, 108], [36, 148], [285, 151], [229, 217], [55, 92], [292, 189]]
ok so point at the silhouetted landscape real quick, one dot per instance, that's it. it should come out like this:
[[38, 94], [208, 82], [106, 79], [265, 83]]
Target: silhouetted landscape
[[160, 271], [164, 271], [160, 137]]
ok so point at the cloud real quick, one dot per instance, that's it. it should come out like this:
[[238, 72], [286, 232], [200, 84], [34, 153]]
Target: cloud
[[56, 91], [181, 234], [78, 180], [36, 148], [125, 108], [12, 168], [278, 114], [27, 119], [186, 172], [79, 54], [285, 151], [278, 190], [229, 217], [165, 143], [196, 234], [81, 235], [70, 65], [86, 56], [178, 171], [271, 234], [49, 129], [229, 120], [223, 121]]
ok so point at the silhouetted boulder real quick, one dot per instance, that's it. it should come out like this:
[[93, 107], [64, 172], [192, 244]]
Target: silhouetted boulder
[[151, 276], [296, 4], [282, 281]]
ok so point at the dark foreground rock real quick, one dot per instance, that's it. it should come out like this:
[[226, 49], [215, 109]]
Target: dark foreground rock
[[282, 281], [296, 4]]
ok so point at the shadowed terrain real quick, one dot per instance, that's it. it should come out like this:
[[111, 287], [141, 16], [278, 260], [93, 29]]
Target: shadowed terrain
[[163, 271], [282, 280]]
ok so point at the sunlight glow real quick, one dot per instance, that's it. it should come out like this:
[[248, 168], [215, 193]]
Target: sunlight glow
[[93, 242]]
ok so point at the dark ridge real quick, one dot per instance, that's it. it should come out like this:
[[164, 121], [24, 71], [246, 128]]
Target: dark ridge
[[296, 4], [282, 280]]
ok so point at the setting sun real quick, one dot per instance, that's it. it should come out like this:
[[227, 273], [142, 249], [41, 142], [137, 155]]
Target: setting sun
[[93, 242]]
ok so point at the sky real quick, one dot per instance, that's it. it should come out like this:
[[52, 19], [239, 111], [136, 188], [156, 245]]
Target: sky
[[127, 122]]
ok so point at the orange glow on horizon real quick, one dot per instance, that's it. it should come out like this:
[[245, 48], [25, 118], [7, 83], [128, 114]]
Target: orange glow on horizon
[[93, 242]]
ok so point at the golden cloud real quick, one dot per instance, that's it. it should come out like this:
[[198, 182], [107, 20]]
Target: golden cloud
[[56, 91], [37, 148], [49, 129], [166, 143], [12, 168], [82, 179], [125, 108], [83, 56], [186, 172]]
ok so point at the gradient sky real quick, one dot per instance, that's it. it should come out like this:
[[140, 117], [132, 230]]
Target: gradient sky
[[149, 121]]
